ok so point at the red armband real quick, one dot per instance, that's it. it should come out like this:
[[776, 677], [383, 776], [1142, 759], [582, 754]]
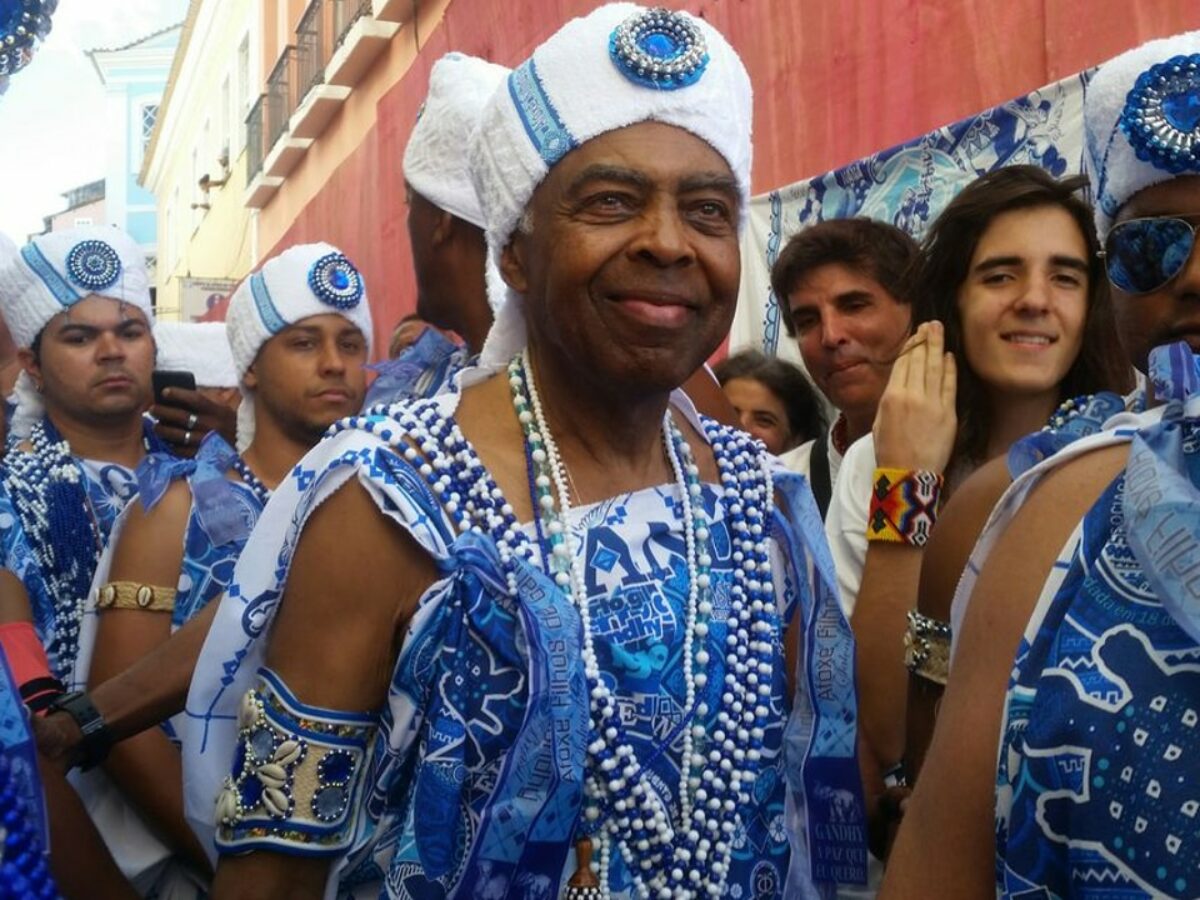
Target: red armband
[[31, 669]]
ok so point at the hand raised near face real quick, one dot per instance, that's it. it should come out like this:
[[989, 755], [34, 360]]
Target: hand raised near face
[[915, 425]]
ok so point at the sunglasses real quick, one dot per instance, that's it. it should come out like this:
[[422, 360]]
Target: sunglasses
[[1142, 255]]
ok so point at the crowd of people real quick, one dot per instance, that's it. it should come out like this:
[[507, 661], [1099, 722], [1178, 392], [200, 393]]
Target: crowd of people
[[546, 608]]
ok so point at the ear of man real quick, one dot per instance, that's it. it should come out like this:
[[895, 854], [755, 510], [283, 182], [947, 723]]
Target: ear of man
[[30, 364], [512, 264]]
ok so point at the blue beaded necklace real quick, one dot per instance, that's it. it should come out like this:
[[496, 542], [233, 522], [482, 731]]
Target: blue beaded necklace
[[48, 490]]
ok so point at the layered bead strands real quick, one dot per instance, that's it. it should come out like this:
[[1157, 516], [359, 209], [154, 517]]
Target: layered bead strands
[[686, 854], [46, 486], [680, 855]]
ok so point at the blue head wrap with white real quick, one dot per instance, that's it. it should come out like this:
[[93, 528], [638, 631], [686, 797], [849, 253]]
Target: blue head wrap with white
[[1142, 122], [51, 274], [303, 281], [620, 65]]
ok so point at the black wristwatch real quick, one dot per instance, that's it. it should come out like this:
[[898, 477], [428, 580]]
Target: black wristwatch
[[94, 745]]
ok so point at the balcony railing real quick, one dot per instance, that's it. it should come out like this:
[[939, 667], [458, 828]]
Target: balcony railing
[[312, 48], [345, 14], [256, 147], [281, 95]]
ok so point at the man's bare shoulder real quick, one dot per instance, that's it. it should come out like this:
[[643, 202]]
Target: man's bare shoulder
[[1067, 491], [148, 534]]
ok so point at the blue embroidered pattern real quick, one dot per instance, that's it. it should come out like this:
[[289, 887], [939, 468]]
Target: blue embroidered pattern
[[270, 316], [438, 817], [93, 265], [549, 136], [336, 282], [1098, 766], [1161, 117], [659, 49]]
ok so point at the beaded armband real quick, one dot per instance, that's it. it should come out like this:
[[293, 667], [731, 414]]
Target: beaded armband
[[904, 506], [296, 776], [132, 595], [927, 648]]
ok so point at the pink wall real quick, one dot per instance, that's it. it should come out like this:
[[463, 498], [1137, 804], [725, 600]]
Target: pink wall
[[834, 81]]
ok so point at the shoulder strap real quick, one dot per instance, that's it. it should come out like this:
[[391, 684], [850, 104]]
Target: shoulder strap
[[818, 473]]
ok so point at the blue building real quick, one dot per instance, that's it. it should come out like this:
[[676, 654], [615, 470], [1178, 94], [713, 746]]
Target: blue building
[[134, 77]]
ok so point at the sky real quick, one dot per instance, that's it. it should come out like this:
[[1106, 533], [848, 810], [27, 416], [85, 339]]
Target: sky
[[52, 122]]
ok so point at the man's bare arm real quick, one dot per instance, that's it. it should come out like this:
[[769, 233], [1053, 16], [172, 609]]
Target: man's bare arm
[[949, 550], [354, 582], [949, 826]]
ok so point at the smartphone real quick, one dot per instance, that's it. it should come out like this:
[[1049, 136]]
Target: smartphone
[[168, 378]]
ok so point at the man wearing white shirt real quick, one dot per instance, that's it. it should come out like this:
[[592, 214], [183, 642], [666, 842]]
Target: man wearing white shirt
[[842, 293]]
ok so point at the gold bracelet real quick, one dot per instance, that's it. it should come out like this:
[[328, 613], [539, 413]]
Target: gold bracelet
[[134, 595]]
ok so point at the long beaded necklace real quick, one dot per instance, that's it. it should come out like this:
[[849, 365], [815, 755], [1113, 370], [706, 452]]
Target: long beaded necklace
[[47, 487], [668, 857], [665, 858]]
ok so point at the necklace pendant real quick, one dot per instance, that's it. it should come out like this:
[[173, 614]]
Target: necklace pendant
[[583, 885]]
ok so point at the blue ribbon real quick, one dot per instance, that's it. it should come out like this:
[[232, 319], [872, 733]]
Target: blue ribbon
[[823, 723], [218, 507], [527, 824], [1161, 501], [419, 370]]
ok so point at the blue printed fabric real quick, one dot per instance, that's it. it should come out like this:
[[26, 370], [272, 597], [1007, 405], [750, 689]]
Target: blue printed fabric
[[109, 487], [448, 749], [1098, 786], [222, 515], [423, 370]]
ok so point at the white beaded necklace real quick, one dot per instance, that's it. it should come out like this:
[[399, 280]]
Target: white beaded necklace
[[665, 861], [688, 856]]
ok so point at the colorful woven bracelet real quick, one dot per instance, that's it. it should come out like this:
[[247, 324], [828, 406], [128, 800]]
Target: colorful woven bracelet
[[927, 648], [297, 775], [904, 505]]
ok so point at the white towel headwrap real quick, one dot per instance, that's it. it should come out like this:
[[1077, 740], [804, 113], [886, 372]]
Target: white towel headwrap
[[301, 282], [201, 348], [435, 160], [595, 75], [1142, 122], [51, 274]]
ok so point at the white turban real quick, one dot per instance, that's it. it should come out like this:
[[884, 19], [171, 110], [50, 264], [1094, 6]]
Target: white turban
[[304, 281], [620, 65], [1141, 117], [435, 160], [201, 348], [55, 271], [51, 274]]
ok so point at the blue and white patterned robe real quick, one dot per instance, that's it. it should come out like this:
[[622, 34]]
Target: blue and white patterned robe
[[458, 698]]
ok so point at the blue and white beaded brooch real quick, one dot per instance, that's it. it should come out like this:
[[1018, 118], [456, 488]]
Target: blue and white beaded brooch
[[335, 281], [93, 265], [22, 24], [1162, 115], [659, 48]]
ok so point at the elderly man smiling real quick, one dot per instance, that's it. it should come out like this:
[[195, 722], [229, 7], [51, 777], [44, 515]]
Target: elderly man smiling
[[485, 638]]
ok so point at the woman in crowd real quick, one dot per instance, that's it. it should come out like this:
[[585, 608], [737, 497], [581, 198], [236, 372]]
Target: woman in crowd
[[1017, 320], [773, 399]]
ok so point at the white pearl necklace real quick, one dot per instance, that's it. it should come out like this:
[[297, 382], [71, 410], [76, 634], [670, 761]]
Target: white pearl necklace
[[681, 856], [669, 861]]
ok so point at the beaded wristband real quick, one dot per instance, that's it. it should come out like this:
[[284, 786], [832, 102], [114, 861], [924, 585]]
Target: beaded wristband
[[296, 777], [927, 648], [903, 506]]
